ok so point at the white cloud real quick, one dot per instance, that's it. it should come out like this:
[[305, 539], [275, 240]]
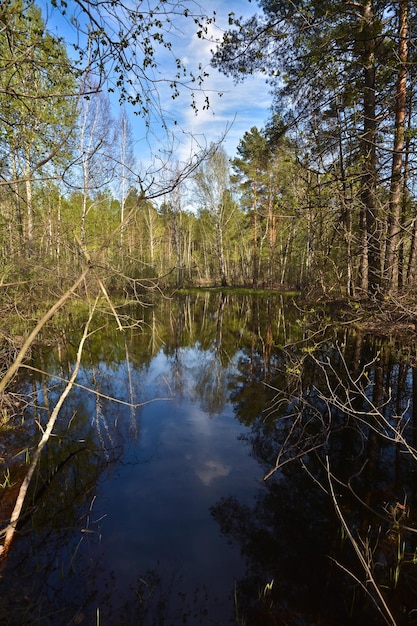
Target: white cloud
[[240, 106], [210, 470]]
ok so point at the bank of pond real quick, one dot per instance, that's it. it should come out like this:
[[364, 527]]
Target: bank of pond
[[225, 459]]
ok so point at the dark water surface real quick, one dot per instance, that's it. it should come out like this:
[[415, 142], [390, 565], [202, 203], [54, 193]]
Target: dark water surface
[[153, 509]]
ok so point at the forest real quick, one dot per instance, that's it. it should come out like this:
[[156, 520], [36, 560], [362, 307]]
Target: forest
[[322, 197], [231, 267]]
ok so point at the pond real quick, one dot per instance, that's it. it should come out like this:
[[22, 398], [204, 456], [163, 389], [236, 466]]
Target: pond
[[226, 459]]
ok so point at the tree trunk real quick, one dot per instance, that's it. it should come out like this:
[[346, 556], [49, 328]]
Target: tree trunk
[[411, 270], [346, 205], [272, 240], [18, 207], [220, 255], [394, 226], [370, 252], [29, 207], [402, 271], [255, 237]]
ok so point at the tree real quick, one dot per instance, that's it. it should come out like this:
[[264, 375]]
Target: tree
[[125, 165], [37, 106], [96, 144], [148, 238], [120, 45], [396, 187], [284, 186], [174, 218], [252, 162], [212, 186], [342, 71]]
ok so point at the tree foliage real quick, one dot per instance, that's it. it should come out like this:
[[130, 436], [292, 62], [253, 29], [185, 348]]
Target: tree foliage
[[322, 196], [120, 44], [333, 69]]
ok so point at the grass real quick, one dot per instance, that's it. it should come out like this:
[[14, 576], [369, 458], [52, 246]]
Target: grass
[[240, 291], [6, 482], [6, 423]]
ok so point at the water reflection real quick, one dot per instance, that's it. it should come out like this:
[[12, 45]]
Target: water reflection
[[212, 469], [340, 433], [157, 512]]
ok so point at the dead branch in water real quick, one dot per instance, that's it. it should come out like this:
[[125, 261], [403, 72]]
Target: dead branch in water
[[11, 528]]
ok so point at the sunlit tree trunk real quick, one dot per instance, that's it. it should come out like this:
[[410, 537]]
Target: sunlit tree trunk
[[369, 237], [151, 223], [394, 226], [220, 255], [126, 166], [272, 240], [95, 149], [58, 231], [29, 207], [177, 234], [402, 267], [50, 229], [212, 188], [188, 247], [84, 207], [255, 234], [412, 260], [18, 206]]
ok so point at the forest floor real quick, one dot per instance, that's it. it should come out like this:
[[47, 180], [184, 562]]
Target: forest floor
[[393, 318]]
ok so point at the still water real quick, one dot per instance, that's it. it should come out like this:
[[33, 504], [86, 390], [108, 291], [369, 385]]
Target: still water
[[150, 505]]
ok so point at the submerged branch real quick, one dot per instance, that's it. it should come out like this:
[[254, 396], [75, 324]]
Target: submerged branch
[[11, 528]]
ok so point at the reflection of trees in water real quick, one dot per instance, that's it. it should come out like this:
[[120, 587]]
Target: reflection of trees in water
[[212, 386], [340, 442], [58, 535], [58, 539], [285, 537], [204, 325], [324, 413], [212, 380], [223, 328]]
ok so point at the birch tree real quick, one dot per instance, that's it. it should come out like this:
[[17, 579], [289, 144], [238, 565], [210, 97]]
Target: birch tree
[[95, 150], [38, 96], [125, 167], [212, 187]]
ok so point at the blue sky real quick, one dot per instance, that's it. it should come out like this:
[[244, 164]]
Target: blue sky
[[241, 106]]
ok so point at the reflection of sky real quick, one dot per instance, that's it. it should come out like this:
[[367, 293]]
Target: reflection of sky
[[167, 376], [210, 470], [158, 503], [178, 459], [153, 509]]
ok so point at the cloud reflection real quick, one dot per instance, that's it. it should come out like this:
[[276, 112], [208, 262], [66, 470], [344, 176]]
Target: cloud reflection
[[210, 470]]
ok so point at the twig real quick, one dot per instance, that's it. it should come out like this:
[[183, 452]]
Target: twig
[[386, 613], [48, 315]]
